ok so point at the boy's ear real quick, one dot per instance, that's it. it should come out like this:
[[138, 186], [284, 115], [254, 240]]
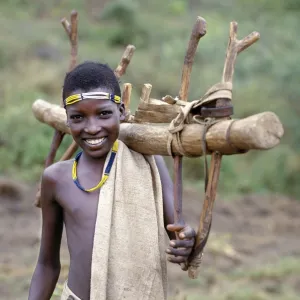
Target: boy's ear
[[122, 112]]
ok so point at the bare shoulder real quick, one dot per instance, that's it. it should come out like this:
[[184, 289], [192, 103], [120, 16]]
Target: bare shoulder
[[52, 178], [53, 173]]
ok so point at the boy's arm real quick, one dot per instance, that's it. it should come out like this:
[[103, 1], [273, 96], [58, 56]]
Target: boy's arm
[[167, 190], [182, 248], [48, 265]]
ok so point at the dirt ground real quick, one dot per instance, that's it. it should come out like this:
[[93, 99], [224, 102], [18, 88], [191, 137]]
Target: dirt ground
[[253, 252]]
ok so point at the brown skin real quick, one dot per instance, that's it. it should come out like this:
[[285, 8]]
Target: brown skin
[[63, 203]]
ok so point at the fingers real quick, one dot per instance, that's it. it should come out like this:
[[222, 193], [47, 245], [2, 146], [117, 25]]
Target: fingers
[[184, 266], [182, 243], [177, 259], [185, 231], [179, 252], [180, 249], [174, 227]]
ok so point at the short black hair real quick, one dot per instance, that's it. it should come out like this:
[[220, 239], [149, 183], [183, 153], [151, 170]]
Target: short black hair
[[90, 75]]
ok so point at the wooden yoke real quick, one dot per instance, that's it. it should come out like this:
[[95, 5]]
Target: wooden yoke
[[177, 127], [234, 47], [261, 131]]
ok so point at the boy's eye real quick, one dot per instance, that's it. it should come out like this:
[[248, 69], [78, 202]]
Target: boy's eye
[[105, 113], [76, 117]]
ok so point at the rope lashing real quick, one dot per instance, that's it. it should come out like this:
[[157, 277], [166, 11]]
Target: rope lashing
[[217, 91]]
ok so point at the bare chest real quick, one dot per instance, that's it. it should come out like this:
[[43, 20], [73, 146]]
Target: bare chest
[[79, 206]]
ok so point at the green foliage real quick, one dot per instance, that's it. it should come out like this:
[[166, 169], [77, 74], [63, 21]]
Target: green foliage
[[34, 56], [130, 27], [178, 7]]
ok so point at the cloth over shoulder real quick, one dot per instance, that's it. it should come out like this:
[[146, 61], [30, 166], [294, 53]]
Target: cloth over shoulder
[[129, 260]]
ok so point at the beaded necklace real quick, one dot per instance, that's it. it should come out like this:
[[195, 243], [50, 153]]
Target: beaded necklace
[[106, 173]]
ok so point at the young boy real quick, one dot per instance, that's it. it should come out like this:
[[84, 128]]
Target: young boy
[[115, 204]]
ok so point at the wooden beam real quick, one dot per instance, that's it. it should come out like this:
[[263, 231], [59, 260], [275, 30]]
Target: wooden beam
[[261, 132]]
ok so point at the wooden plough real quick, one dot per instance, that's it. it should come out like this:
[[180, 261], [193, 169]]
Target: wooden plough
[[174, 126]]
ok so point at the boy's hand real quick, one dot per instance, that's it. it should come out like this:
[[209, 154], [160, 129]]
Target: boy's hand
[[182, 248]]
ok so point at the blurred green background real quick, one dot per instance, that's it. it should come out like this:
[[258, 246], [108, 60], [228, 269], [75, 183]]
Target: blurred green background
[[34, 56]]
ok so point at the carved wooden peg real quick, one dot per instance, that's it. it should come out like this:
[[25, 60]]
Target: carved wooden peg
[[125, 61], [145, 96], [126, 95]]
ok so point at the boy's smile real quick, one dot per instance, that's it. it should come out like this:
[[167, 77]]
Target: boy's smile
[[95, 142], [95, 124]]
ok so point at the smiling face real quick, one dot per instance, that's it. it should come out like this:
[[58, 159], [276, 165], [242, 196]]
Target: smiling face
[[95, 124]]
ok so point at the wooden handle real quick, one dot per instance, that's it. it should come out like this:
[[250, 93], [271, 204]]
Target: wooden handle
[[198, 31]]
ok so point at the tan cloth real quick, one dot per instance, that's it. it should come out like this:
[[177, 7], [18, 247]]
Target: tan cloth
[[129, 259], [67, 294]]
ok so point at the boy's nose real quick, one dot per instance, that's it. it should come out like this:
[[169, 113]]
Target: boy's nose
[[92, 127]]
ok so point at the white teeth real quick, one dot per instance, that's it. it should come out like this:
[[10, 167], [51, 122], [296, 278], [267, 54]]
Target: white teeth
[[94, 141]]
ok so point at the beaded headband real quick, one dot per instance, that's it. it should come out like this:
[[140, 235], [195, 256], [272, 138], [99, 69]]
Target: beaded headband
[[92, 95]]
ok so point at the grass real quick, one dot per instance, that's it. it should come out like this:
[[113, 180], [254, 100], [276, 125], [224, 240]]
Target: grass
[[287, 266], [264, 282], [261, 282]]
